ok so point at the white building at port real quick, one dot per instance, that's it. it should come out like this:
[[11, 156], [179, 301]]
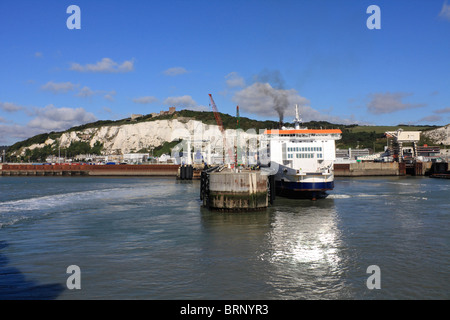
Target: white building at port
[[135, 158], [350, 155]]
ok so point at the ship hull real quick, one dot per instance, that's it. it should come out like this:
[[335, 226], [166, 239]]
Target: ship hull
[[303, 190]]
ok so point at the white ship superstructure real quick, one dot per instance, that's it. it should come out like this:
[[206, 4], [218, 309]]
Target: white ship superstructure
[[304, 159]]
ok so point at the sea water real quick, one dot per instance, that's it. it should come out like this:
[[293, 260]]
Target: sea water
[[149, 238]]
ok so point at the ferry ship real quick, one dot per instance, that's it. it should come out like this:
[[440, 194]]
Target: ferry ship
[[302, 160]]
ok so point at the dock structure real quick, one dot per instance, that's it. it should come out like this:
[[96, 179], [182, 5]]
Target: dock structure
[[365, 169], [185, 172], [440, 170], [359, 169], [88, 170], [235, 190], [189, 172]]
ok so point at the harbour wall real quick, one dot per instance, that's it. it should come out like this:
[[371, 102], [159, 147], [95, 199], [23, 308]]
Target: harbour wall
[[359, 169], [368, 169], [89, 170]]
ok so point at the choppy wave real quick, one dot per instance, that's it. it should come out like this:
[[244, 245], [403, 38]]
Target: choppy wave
[[407, 195], [356, 195], [44, 202], [338, 196]]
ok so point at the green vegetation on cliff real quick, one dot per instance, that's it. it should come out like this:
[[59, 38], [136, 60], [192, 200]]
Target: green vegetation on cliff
[[75, 148]]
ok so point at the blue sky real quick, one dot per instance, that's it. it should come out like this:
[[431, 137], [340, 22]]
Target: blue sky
[[139, 57]]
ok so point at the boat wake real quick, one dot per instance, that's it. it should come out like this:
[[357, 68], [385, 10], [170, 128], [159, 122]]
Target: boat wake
[[12, 212], [338, 196]]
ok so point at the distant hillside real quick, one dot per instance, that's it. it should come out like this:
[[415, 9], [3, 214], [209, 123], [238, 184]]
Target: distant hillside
[[157, 133], [373, 136], [229, 122]]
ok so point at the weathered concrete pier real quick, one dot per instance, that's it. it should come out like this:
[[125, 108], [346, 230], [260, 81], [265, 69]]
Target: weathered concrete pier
[[361, 169], [234, 190]]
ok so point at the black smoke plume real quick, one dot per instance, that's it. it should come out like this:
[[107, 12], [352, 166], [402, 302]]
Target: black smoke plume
[[279, 95]]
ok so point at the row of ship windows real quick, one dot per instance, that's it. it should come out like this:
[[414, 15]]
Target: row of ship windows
[[304, 155], [303, 149]]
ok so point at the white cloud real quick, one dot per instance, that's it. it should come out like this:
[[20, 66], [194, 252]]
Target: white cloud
[[12, 133], [445, 11], [382, 103], [234, 80], [58, 87], [51, 118], [85, 92], [183, 101], [106, 65], [145, 100], [175, 71], [199, 108], [110, 95], [444, 110], [309, 114], [107, 110], [432, 118], [38, 55], [264, 100], [10, 107]]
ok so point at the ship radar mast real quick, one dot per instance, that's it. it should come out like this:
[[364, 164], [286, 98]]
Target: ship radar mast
[[297, 119]]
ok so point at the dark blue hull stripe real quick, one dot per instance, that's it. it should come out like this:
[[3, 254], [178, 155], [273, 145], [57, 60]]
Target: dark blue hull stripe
[[305, 186], [303, 190]]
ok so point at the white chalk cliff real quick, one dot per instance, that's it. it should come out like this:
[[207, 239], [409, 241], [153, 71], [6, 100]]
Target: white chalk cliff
[[133, 137], [440, 135]]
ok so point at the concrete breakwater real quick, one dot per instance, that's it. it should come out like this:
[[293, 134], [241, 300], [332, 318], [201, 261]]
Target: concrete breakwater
[[369, 169], [234, 191], [88, 170], [360, 169]]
